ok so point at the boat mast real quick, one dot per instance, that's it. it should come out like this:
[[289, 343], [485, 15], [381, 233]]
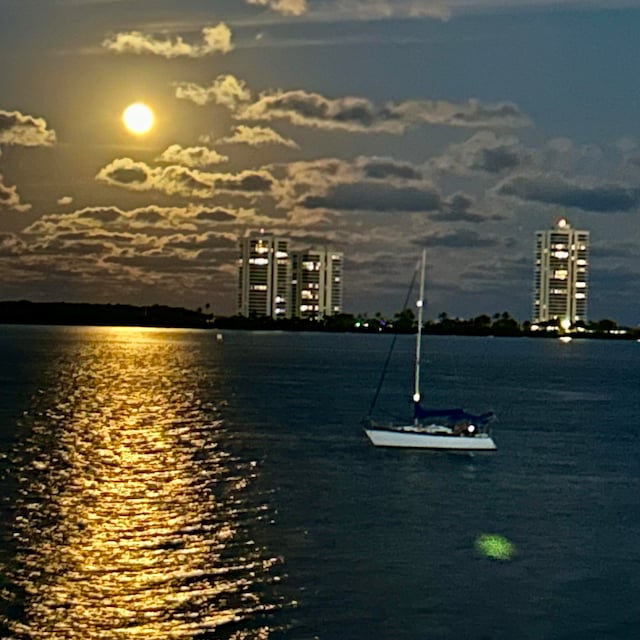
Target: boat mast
[[420, 305]]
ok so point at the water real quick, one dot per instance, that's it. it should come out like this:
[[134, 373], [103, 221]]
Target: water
[[160, 484]]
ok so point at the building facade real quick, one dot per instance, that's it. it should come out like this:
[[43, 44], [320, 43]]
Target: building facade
[[316, 285], [560, 289], [276, 282], [264, 276]]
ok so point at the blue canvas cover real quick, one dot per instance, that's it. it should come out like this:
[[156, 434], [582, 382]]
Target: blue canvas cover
[[452, 415]]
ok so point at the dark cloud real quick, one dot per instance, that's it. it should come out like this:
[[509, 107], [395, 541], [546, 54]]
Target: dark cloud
[[484, 152], [459, 239], [476, 112], [126, 176], [246, 181], [101, 215], [216, 215], [457, 209], [496, 160], [380, 169], [375, 196], [148, 216], [551, 189], [472, 113]]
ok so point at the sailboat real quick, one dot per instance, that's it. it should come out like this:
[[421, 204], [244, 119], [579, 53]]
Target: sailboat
[[441, 429]]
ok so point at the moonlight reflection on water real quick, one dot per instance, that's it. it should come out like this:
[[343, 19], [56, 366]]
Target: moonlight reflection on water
[[130, 520]]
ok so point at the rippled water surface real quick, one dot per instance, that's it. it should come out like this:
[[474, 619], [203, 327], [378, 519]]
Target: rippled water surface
[[163, 484]]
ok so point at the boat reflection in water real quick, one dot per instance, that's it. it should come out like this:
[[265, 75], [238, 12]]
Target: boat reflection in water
[[130, 520]]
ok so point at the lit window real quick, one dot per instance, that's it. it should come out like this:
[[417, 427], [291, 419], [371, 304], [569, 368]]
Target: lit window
[[580, 296]]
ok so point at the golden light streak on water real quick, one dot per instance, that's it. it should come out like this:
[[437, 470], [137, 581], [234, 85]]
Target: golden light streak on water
[[132, 520]]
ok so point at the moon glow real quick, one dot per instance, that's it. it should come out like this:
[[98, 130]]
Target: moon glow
[[138, 118]]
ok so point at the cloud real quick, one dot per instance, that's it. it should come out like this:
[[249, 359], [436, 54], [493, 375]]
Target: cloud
[[138, 176], [349, 113], [313, 110], [458, 239], [216, 215], [472, 113], [257, 137], [457, 209], [384, 168], [19, 129], [10, 244], [375, 196], [152, 219], [9, 198], [215, 39], [358, 114], [335, 183], [484, 152], [184, 181], [555, 190], [191, 156], [64, 200], [285, 7], [225, 90], [245, 181]]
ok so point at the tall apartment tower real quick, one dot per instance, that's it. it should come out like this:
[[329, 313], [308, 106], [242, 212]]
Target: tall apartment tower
[[264, 276], [561, 273], [316, 285]]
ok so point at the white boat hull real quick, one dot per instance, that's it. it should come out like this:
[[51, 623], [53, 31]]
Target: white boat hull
[[416, 440]]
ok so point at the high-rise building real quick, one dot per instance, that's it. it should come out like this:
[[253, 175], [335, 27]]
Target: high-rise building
[[561, 275], [264, 276], [316, 285], [276, 282]]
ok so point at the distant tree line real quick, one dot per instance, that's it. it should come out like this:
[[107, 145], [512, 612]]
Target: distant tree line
[[81, 314], [405, 321]]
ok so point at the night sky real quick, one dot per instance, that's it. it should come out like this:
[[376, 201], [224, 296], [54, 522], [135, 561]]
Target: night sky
[[377, 127]]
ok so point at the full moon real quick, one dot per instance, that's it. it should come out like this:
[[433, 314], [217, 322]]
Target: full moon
[[138, 118]]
